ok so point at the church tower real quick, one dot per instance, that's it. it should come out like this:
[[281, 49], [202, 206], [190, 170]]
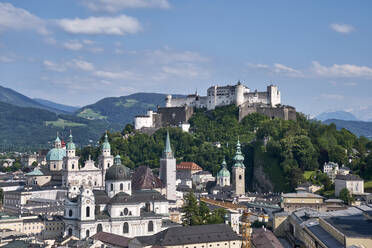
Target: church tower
[[168, 170], [70, 162], [86, 203], [239, 171], [105, 160]]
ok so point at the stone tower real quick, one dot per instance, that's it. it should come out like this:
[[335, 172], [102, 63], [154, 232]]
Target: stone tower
[[70, 163], [168, 170], [239, 171]]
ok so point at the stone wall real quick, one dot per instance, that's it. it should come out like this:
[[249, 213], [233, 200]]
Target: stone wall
[[282, 112], [175, 115]]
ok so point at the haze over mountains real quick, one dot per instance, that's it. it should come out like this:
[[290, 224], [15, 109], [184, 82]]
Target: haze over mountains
[[28, 123]]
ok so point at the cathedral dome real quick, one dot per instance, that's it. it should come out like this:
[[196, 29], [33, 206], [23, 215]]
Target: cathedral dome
[[56, 154], [118, 172]]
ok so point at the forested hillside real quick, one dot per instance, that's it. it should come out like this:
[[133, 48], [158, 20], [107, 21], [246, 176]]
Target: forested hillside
[[277, 152], [363, 128]]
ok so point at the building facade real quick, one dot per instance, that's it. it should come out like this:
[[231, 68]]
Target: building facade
[[168, 170], [238, 171], [353, 183]]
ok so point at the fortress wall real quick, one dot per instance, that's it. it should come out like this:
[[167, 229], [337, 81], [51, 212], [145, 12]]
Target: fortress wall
[[283, 112], [175, 115]]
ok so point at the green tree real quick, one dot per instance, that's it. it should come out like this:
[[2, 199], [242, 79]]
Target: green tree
[[191, 211], [346, 196]]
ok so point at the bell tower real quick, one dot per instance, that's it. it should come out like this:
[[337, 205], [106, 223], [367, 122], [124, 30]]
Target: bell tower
[[168, 170], [105, 160]]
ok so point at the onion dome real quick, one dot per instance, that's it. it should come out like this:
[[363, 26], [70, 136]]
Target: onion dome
[[106, 144], [224, 172], [118, 172], [238, 158], [57, 153], [70, 145]]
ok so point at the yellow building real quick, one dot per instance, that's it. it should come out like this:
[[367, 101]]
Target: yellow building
[[293, 201]]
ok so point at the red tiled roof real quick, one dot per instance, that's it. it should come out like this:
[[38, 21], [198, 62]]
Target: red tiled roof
[[113, 239], [189, 166], [144, 178]]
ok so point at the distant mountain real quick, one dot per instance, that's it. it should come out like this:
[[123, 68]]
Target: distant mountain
[[339, 115], [53, 105], [27, 129], [122, 109], [10, 96], [360, 128]]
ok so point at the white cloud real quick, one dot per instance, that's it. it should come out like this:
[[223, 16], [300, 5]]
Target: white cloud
[[276, 68], [20, 19], [114, 75], [51, 66], [82, 65], [332, 96], [6, 59], [73, 45], [118, 5], [258, 66], [345, 70], [342, 28], [119, 25], [280, 68]]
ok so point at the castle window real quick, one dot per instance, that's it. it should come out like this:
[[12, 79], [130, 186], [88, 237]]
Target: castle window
[[87, 233], [150, 227], [121, 186], [70, 213], [111, 187], [125, 227], [88, 211]]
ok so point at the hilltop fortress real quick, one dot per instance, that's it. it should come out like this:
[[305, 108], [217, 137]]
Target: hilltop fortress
[[178, 111]]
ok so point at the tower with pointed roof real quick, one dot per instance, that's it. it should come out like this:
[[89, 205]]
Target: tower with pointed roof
[[168, 170], [55, 156], [70, 147], [239, 171], [223, 176], [105, 160]]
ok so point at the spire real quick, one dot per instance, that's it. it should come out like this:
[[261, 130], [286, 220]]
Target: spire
[[238, 158], [168, 149], [70, 145], [106, 145]]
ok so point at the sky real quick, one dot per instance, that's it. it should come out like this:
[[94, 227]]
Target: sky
[[77, 52]]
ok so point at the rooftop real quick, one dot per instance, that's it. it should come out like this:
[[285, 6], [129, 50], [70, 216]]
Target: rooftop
[[349, 177], [301, 195], [262, 238], [112, 239], [352, 226], [188, 166]]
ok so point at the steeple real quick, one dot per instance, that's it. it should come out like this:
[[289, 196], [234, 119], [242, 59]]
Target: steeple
[[168, 149], [57, 142], [106, 144], [70, 145], [238, 158]]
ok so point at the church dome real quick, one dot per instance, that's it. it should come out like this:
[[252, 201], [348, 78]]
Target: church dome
[[118, 172], [106, 144], [224, 172], [56, 154]]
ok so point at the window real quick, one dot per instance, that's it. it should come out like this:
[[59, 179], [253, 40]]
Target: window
[[111, 187], [128, 186], [126, 211], [72, 166], [125, 227], [240, 177], [150, 227], [121, 186], [70, 213], [70, 232], [87, 233], [88, 211], [99, 228], [54, 166]]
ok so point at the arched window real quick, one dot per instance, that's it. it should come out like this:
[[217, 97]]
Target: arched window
[[72, 166], [70, 232], [99, 228], [111, 187], [126, 211], [240, 177], [128, 186], [108, 165], [88, 211], [121, 186], [87, 233], [125, 227], [150, 227], [70, 213]]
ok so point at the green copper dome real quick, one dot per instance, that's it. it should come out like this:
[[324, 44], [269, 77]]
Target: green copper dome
[[106, 144], [70, 145], [56, 154], [118, 172], [238, 158], [224, 172]]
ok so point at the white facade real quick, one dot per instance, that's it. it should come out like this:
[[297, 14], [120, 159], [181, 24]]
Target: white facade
[[226, 95], [331, 169], [142, 121], [168, 170], [354, 184]]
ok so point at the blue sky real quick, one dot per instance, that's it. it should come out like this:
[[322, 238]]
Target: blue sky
[[76, 52]]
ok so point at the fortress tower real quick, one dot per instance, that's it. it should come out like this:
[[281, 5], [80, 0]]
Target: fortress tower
[[168, 170], [239, 94], [239, 171]]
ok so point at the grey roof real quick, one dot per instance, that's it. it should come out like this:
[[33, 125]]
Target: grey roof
[[101, 197], [324, 236], [10, 184], [137, 196], [352, 225], [190, 235], [302, 195], [112, 239], [349, 177]]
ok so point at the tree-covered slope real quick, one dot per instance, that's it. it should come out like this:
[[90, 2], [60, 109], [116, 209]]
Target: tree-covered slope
[[277, 152], [53, 105], [122, 109], [29, 129], [10, 96]]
